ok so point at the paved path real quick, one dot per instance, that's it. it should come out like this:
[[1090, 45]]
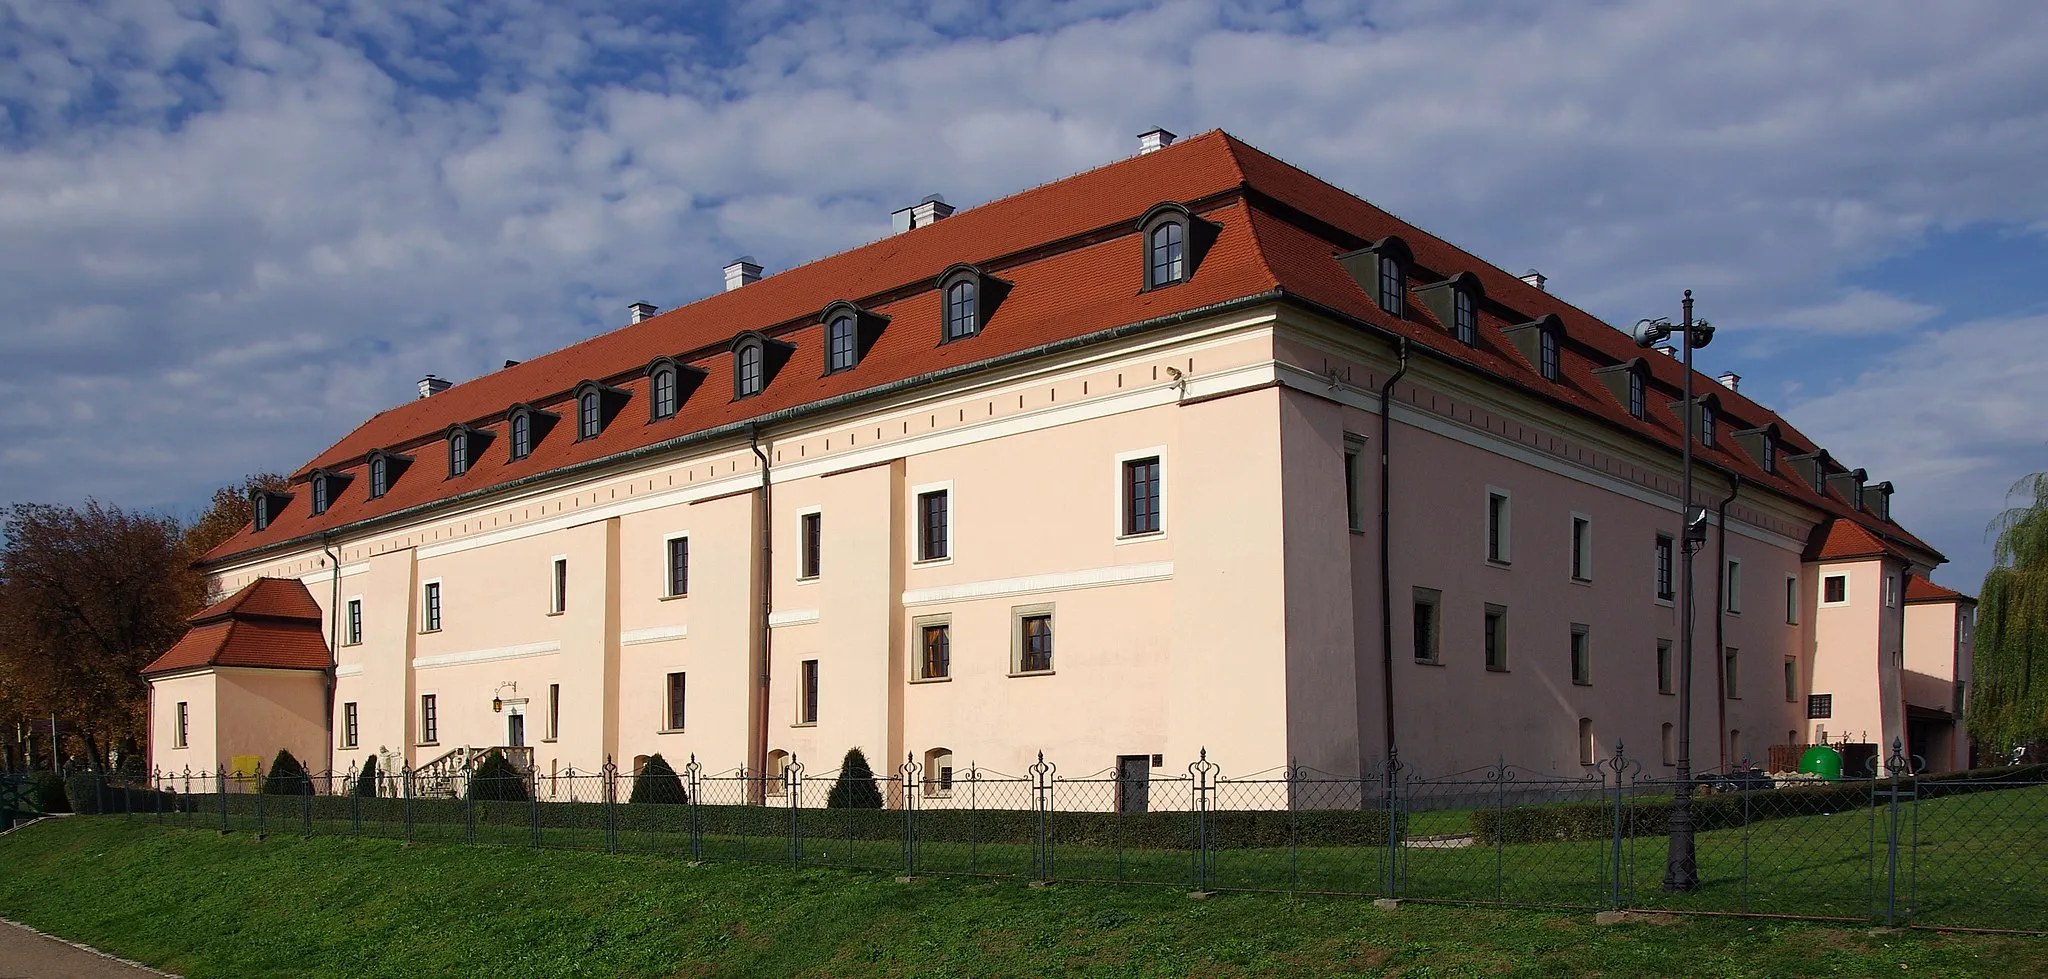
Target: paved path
[[27, 955]]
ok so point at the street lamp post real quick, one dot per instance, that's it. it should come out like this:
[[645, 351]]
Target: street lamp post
[[1681, 868]]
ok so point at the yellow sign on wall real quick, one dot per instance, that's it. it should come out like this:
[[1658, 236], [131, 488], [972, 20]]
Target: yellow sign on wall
[[244, 766]]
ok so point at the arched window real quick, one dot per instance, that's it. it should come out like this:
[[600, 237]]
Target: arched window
[[458, 452], [1587, 749], [748, 370], [1770, 454], [1635, 395], [1707, 425], [522, 435], [663, 387], [1547, 344], [380, 476], [776, 777], [938, 773], [1169, 253], [589, 415], [1670, 743], [1393, 283], [1466, 318], [319, 493], [840, 344], [961, 314]]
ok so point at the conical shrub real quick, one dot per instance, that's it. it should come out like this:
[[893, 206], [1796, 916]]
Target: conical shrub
[[366, 780], [856, 788], [287, 776], [658, 784], [495, 780]]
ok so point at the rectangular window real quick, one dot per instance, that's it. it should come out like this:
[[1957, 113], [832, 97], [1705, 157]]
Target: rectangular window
[[1730, 673], [1497, 526], [349, 720], [1464, 320], [933, 530], [807, 709], [1141, 496], [430, 720], [813, 530], [1034, 642], [1820, 706], [432, 605], [1834, 589], [935, 658], [677, 687], [678, 567], [1665, 589], [1791, 679], [1547, 354], [554, 711], [1582, 548], [1732, 585], [1355, 518], [1891, 591], [1582, 656], [1635, 394], [184, 724], [1496, 638], [1791, 600], [1428, 612], [354, 623], [558, 592], [1664, 668]]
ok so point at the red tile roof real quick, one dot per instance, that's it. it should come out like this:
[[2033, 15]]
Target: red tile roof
[[1919, 589], [1070, 248], [272, 623]]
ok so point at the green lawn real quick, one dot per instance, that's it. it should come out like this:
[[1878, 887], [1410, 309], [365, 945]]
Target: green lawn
[[205, 904]]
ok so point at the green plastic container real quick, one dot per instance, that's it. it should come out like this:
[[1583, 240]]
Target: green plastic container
[[1821, 760]]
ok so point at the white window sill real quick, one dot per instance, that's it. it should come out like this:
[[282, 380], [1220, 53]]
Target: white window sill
[[1496, 669], [1497, 563], [1025, 673], [805, 724], [1141, 538], [428, 632], [671, 598], [1428, 662], [547, 741], [670, 730], [1576, 580], [427, 744], [1666, 602], [931, 562], [931, 679], [557, 611], [811, 580]]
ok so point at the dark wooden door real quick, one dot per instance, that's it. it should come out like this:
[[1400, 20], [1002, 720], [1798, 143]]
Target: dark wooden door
[[1133, 780]]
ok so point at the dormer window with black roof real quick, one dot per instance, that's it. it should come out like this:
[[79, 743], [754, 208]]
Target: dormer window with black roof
[[839, 343], [1381, 269], [1877, 498], [755, 360], [661, 386], [529, 425], [1707, 427], [1540, 341], [1811, 467], [968, 298], [385, 468], [322, 487], [1770, 455], [1629, 381], [1761, 444], [1707, 408], [669, 385], [1175, 241], [1850, 484], [596, 406], [465, 445], [1464, 318], [1635, 394], [1455, 301], [267, 505]]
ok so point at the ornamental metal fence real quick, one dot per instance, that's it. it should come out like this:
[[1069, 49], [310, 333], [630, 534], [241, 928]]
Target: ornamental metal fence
[[1963, 850]]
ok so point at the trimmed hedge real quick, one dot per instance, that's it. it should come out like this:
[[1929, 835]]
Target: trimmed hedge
[[366, 780], [856, 787], [49, 792], [496, 780], [287, 776], [658, 784]]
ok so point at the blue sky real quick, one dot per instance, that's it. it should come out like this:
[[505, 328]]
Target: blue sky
[[230, 230]]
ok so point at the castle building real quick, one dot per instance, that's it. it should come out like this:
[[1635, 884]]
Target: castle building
[[1108, 469]]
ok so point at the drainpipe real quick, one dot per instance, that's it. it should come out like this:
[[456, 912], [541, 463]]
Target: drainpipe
[[760, 762], [1386, 556], [1721, 616], [333, 641]]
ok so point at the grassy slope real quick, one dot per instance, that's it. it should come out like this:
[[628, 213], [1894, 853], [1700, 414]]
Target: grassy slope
[[210, 905]]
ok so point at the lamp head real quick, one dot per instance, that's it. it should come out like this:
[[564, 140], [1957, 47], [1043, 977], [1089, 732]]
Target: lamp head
[[1702, 334], [1649, 333]]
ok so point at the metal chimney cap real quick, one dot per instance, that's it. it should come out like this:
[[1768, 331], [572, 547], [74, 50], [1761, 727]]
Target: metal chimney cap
[[1154, 139]]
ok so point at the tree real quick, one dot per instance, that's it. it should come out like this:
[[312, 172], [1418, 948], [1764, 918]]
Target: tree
[[658, 784], [2010, 703], [366, 780], [855, 788], [287, 776], [228, 512], [495, 780]]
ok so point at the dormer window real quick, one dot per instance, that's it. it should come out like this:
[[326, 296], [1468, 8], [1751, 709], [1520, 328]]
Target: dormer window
[[1381, 270], [319, 487], [596, 406], [1761, 444], [750, 371], [1770, 454], [1393, 283], [1635, 395], [756, 359], [385, 468], [1175, 241], [1464, 318], [1540, 340], [322, 488], [267, 505], [1629, 381], [529, 425], [839, 343], [1707, 428], [1547, 354], [963, 319], [661, 386], [465, 444]]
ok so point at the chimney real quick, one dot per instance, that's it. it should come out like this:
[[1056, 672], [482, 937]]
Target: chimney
[[1536, 279], [924, 212], [1731, 380], [434, 384], [1155, 139], [641, 311], [741, 272]]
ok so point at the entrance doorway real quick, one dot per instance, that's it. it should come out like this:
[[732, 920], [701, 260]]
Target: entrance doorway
[[1133, 782], [515, 728]]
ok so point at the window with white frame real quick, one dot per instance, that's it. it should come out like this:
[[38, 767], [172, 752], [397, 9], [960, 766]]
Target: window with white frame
[[1665, 589], [352, 623], [350, 721], [1588, 748], [678, 561], [1891, 590], [1495, 638], [430, 719], [810, 536], [1582, 654], [184, 732], [1393, 285], [554, 719], [934, 649], [1498, 525], [1731, 672], [558, 587], [1354, 512], [807, 693], [1834, 589], [1141, 496], [938, 772], [1669, 740], [934, 525], [1582, 547], [1732, 587], [430, 607], [1791, 599], [675, 696], [1791, 679], [1665, 671], [1031, 639], [1464, 317], [1428, 607]]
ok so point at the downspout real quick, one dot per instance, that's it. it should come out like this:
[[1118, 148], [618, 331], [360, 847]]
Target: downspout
[[333, 640], [1721, 616], [760, 761], [1386, 555]]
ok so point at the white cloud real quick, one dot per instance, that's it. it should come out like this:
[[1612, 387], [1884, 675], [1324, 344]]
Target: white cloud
[[241, 233]]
